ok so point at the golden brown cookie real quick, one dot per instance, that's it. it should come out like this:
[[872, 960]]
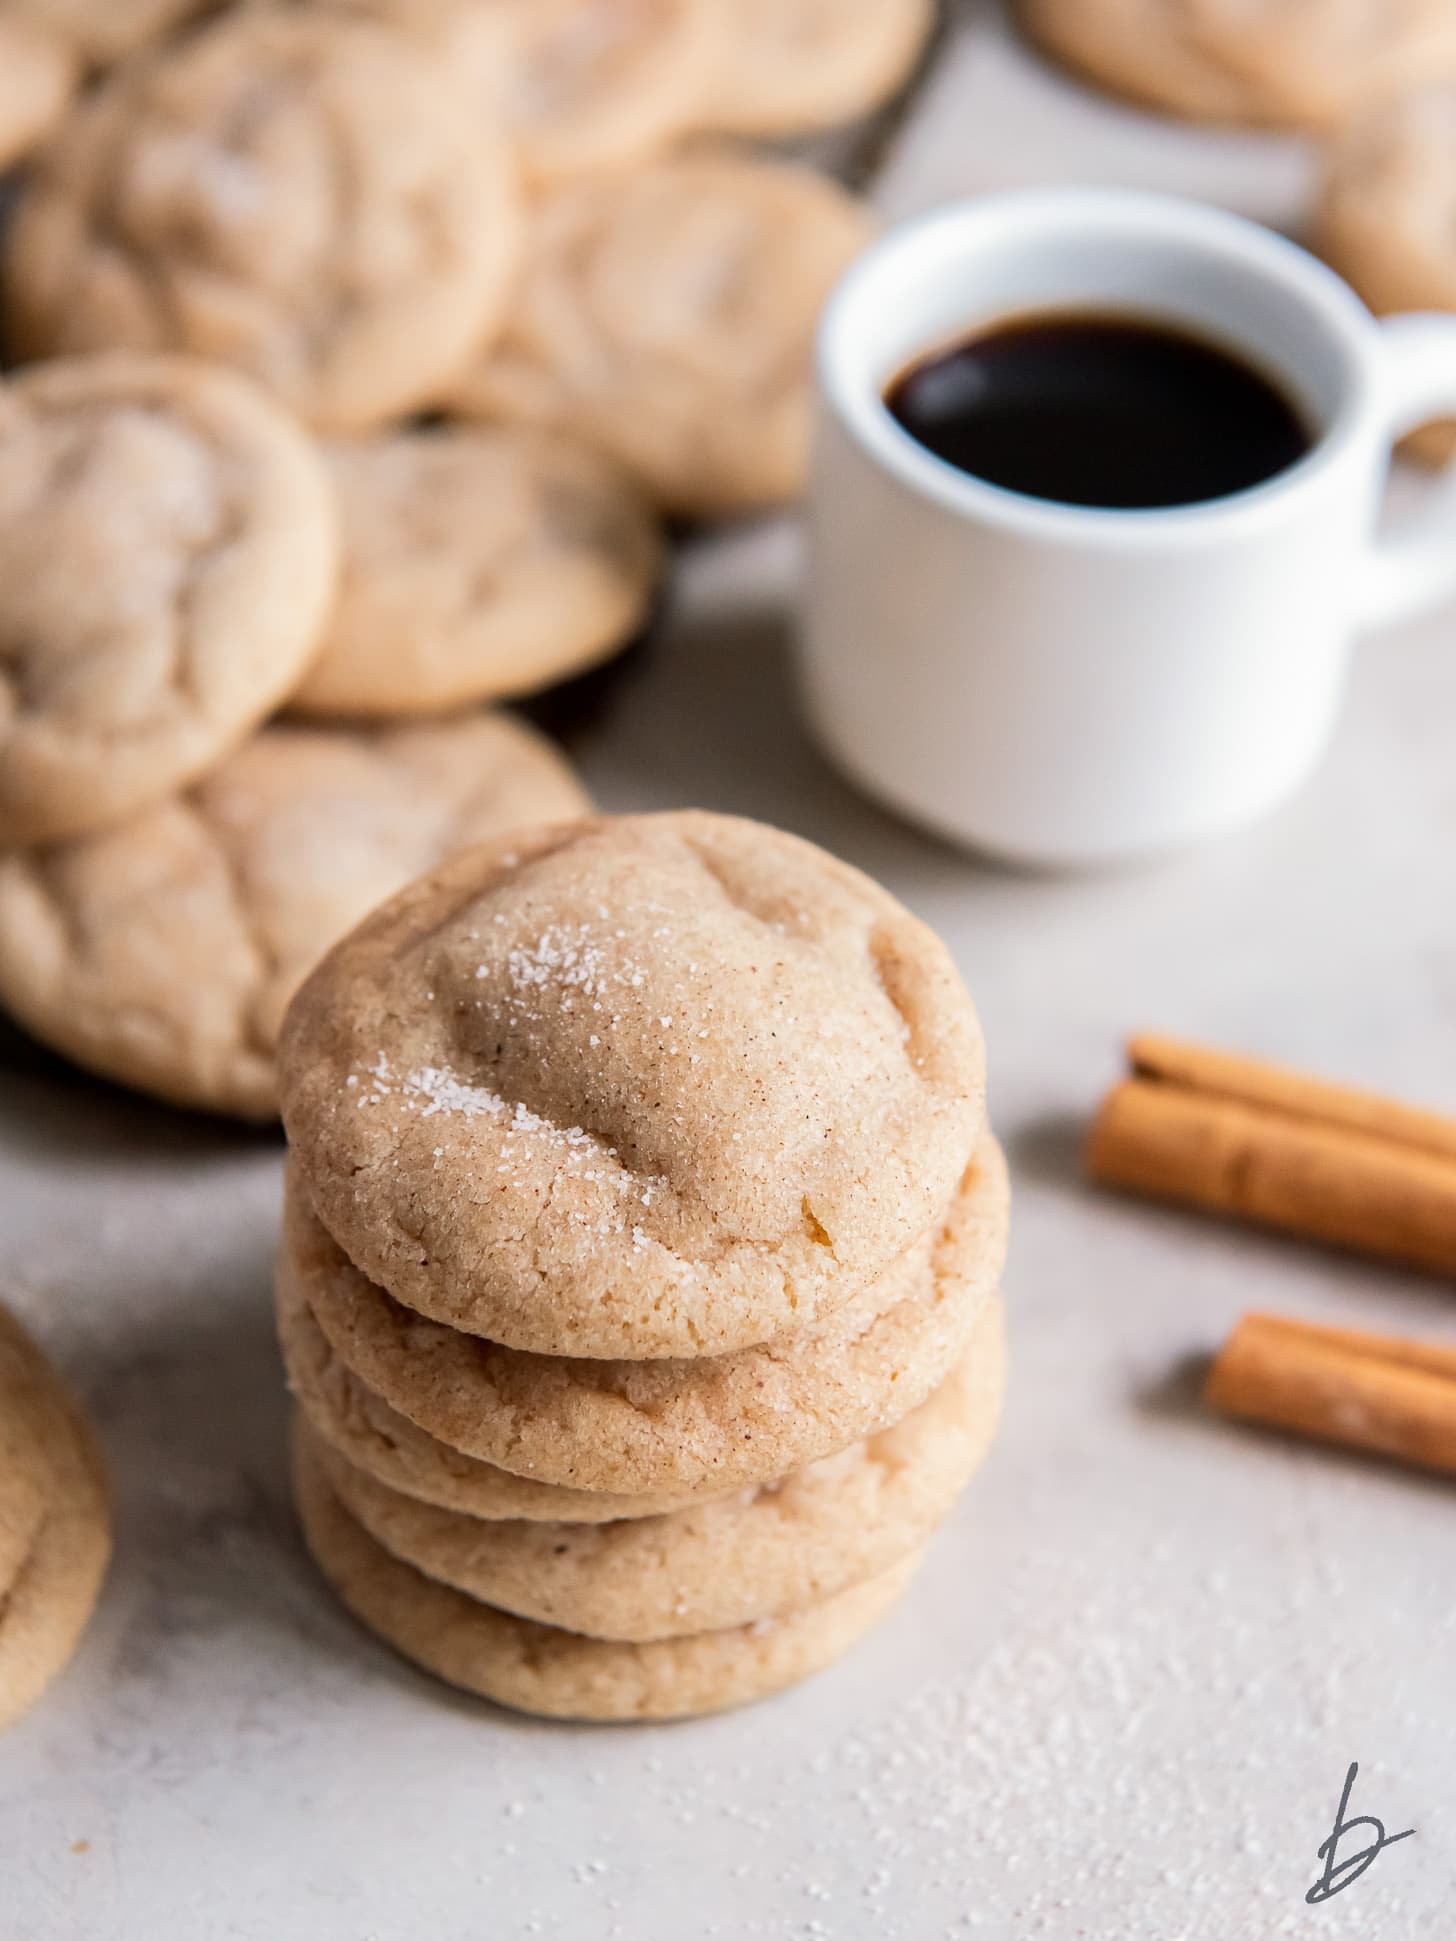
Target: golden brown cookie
[[168, 550], [758, 1554], [1276, 63], [666, 1429], [478, 563], [1387, 221], [667, 315], [536, 1668], [163, 952], [54, 1486], [789, 67], [1385, 218], [38, 76], [374, 1437], [304, 195], [648, 1086], [22, 1498], [581, 85]]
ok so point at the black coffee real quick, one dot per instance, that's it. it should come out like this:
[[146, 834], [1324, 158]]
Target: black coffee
[[1100, 411]]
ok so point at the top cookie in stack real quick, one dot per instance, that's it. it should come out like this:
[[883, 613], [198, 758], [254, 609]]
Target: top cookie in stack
[[636, 1163], [636, 1088]]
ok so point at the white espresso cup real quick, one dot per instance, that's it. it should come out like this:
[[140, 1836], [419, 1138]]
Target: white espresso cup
[[1063, 685]]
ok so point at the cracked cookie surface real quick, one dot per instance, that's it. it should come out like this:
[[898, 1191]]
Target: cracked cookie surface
[[667, 315], [760, 1553], [477, 564], [648, 1086], [303, 195], [167, 555], [667, 1429], [1275, 63], [162, 953]]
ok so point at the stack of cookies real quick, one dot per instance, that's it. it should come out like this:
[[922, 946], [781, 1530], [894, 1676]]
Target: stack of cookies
[[639, 1281]]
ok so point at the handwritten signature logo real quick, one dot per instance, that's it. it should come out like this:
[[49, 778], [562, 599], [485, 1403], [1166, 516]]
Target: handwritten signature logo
[[1339, 1874]]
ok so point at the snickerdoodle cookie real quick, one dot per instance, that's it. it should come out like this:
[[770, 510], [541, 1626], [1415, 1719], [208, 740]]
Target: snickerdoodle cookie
[[22, 1499], [667, 1429], [478, 563], [537, 1668], [168, 552], [1387, 218], [787, 67], [163, 952], [1387, 221], [55, 1530], [1282, 63], [643, 1086], [305, 195], [758, 1554], [667, 315], [38, 75], [580, 85], [373, 1436]]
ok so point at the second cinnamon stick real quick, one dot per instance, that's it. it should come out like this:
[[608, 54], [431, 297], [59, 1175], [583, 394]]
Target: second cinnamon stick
[[1393, 1398], [1336, 1183]]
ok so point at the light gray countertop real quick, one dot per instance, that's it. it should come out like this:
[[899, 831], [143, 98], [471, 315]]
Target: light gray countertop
[[1122, 1696]]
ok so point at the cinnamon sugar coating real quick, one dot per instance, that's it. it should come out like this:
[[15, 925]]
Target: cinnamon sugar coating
[[646, 1086]]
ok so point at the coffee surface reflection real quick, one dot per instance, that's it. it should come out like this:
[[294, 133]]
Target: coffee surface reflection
[[1100, 410]]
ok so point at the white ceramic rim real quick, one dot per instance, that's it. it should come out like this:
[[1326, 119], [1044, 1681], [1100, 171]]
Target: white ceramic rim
[[1013, 220]]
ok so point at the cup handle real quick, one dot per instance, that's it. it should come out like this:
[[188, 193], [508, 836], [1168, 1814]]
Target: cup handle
[[1414, 565]]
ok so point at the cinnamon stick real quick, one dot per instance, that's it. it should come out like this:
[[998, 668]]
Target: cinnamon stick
[[1252, 1081], [1259, 1143], [1373, 1392]]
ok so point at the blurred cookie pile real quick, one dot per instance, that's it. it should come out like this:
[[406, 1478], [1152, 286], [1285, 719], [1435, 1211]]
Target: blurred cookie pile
[[169, 564], [639, 1283], [359, 351]]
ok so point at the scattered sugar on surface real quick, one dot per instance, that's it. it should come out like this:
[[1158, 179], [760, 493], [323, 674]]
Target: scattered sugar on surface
[[1089, 1775]]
